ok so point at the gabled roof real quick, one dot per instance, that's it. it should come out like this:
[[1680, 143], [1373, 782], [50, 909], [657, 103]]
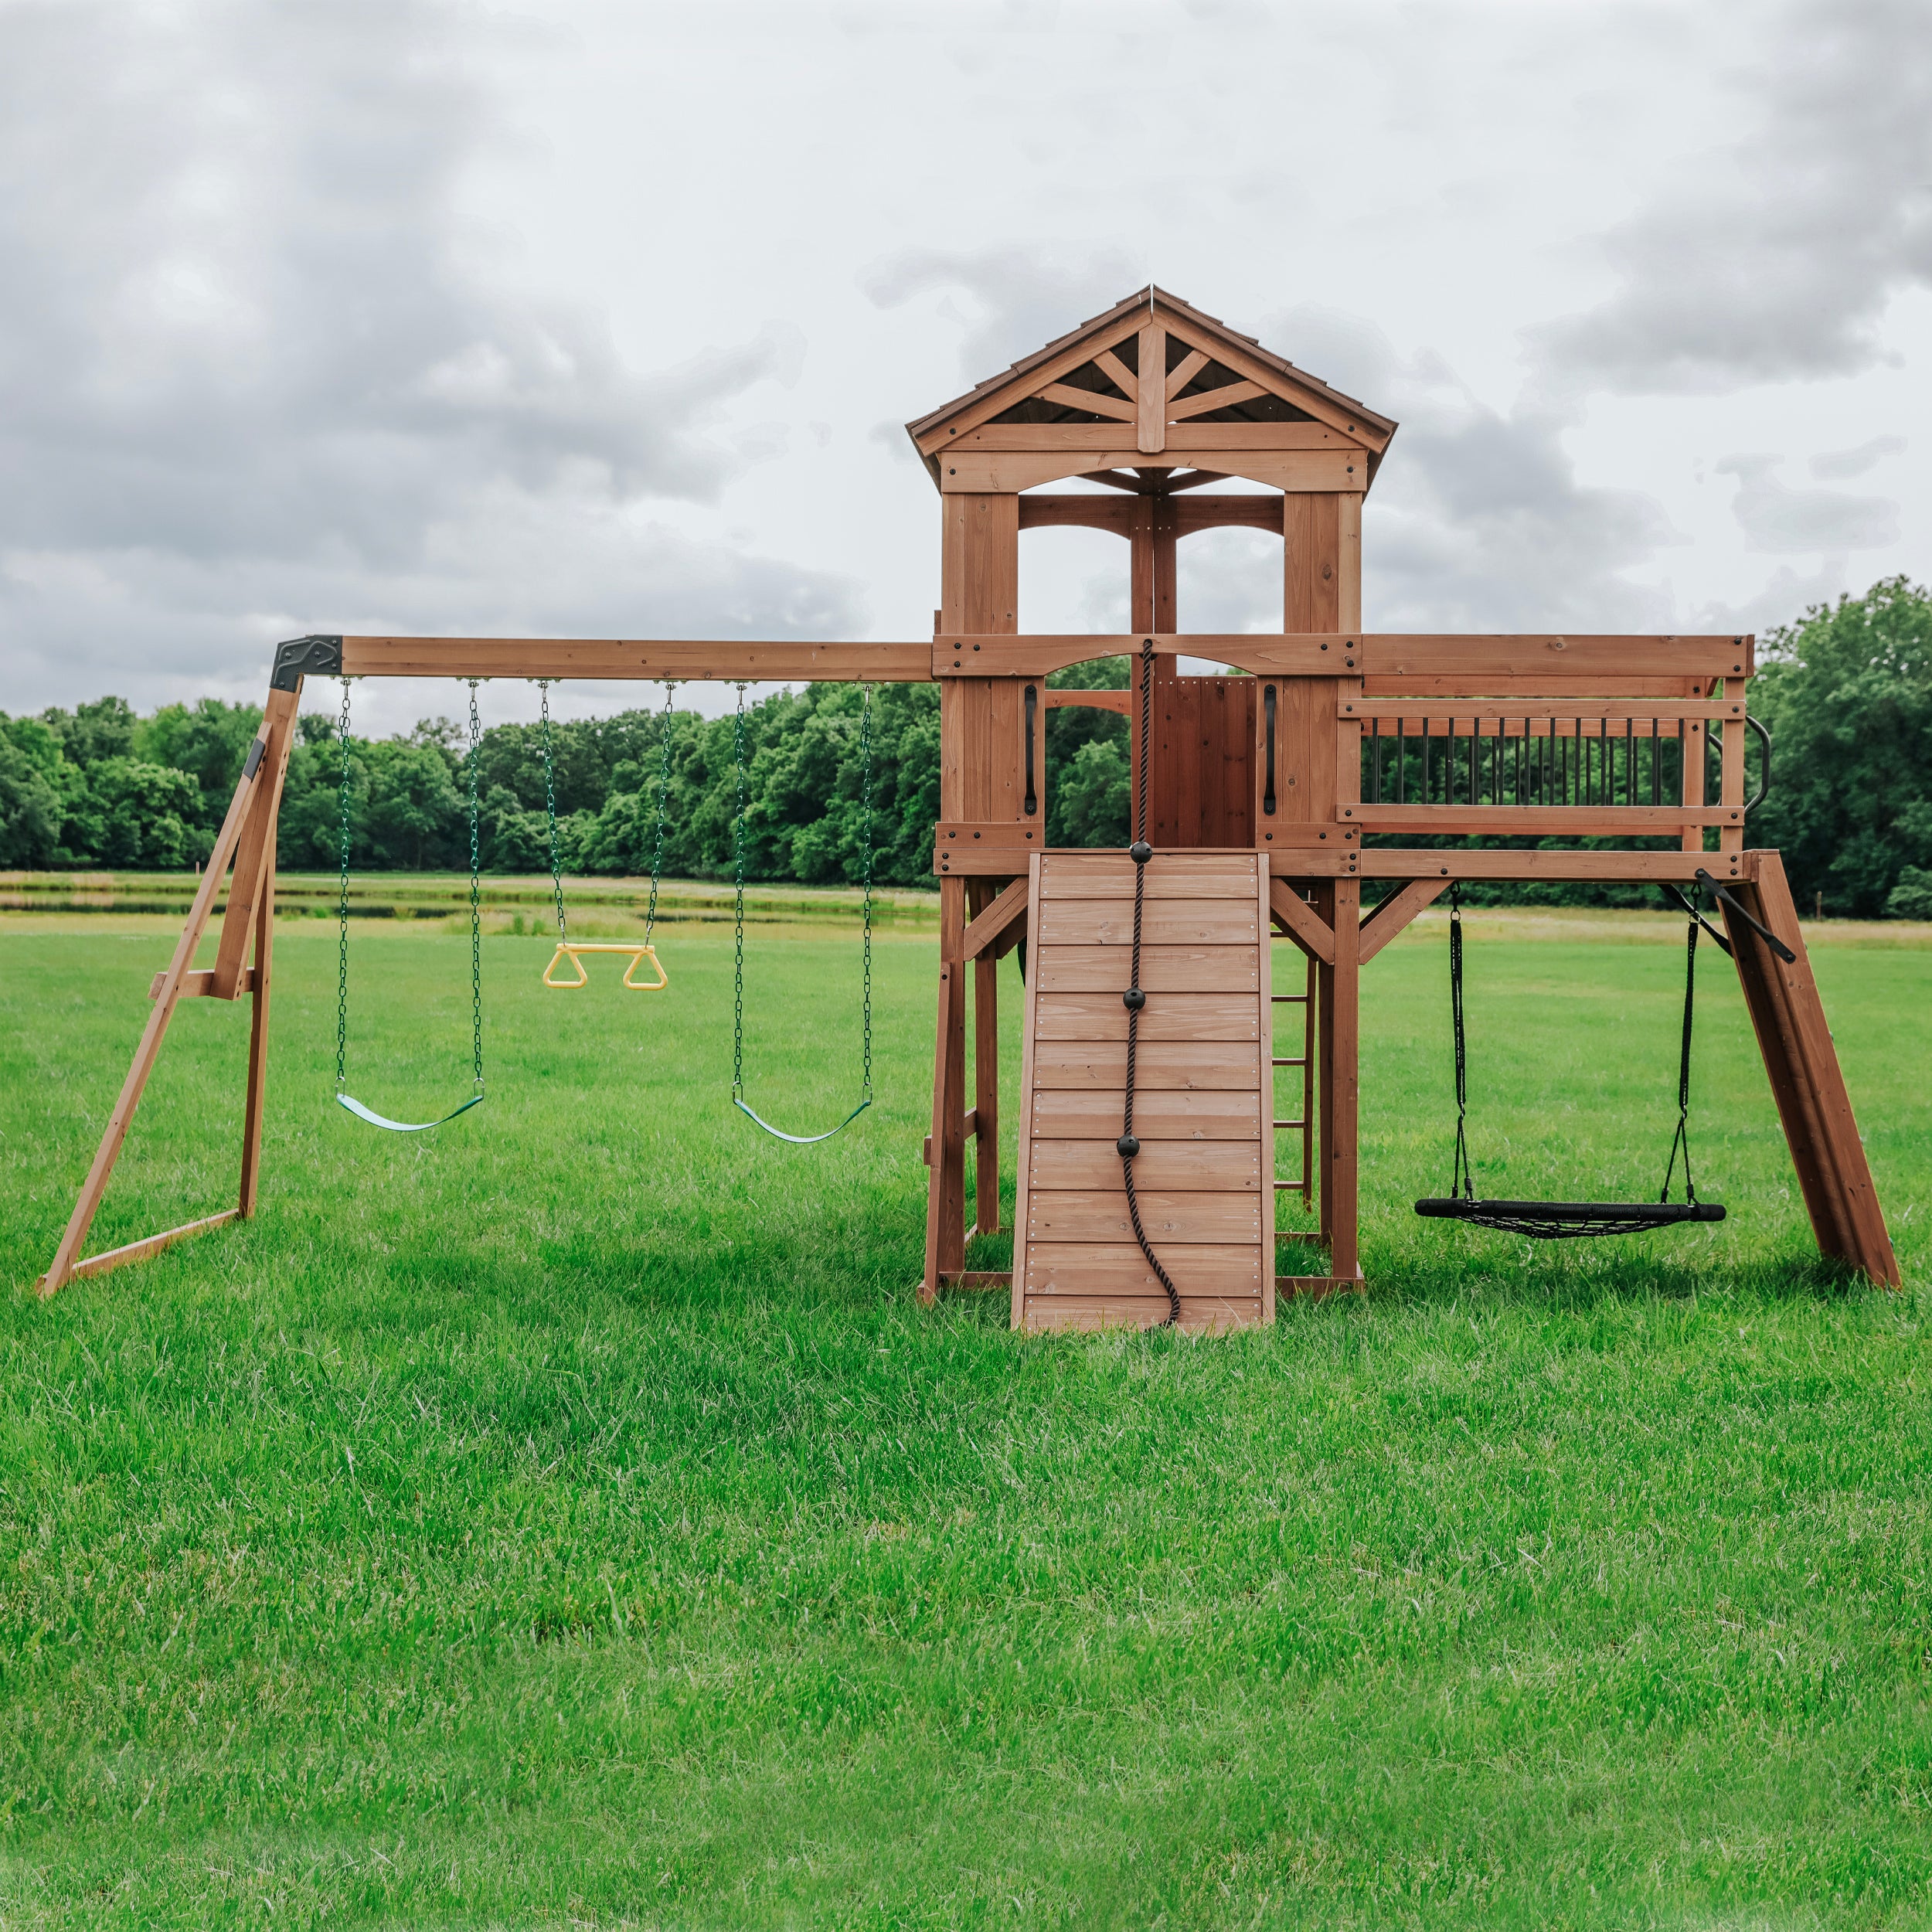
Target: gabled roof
[[1089, 376]]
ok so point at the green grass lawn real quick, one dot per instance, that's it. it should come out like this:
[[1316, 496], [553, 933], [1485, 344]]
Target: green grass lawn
[[571, 1515]]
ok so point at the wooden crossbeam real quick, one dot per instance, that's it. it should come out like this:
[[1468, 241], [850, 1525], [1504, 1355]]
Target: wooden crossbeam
[[993, 922], [1395, 912], [1302, 924]]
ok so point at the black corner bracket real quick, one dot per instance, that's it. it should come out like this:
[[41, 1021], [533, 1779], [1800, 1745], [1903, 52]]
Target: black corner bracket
[[310, 657]]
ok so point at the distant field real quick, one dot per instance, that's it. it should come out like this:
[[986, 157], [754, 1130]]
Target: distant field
[[511, 903], [569, 1515]]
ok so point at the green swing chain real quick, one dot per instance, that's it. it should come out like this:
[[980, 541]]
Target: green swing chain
[[345, 791], [476, 895], [738, 940], [341, 910], [664, 802], [738, 973], [549, 807]]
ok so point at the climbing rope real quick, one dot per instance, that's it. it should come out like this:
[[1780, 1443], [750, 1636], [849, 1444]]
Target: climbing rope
[[1127, 1147], [738, 841]]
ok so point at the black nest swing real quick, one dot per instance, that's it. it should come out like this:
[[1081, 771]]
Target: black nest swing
[[1572, 1220]]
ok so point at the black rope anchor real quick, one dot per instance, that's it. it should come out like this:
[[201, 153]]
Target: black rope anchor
[[1133, 998]]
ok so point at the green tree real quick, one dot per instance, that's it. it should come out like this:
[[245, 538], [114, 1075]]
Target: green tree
[[31, 808], [209, 741], [1847, 692], [1089, 792], [143, 816]]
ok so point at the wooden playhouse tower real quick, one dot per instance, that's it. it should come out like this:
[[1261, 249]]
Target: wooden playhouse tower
[[1276, 791], [1265, 792]]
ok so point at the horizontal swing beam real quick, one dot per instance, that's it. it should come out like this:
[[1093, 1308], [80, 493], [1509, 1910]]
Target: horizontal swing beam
[[1514, 660]]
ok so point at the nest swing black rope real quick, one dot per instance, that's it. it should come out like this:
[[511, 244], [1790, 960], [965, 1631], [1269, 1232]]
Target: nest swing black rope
[[1566, 1220]]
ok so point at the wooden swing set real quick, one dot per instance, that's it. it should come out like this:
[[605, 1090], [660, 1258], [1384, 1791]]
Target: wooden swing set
[[1267, 796]]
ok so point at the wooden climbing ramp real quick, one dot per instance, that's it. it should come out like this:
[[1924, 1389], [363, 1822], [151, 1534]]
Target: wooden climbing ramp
[[1205, 1174]]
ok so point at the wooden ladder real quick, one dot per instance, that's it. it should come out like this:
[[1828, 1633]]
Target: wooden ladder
[[1302, 1123], [1203, 1082]]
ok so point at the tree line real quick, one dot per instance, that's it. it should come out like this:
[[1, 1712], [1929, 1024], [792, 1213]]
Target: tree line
[[1846, 692]]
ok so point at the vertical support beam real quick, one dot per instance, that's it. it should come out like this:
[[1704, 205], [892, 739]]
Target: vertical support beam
[[1693, 840], [1347, 562], [251, 1162], [1341, 1056], [985, 1076], [1311, 546], [982, 738], [1151, 384], [1730, 789], [1323, 900]]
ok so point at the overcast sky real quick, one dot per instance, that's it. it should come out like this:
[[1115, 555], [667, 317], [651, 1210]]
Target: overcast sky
[[603, 317]]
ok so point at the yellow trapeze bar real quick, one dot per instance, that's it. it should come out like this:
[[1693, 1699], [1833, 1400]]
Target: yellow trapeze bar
[[570, 949]]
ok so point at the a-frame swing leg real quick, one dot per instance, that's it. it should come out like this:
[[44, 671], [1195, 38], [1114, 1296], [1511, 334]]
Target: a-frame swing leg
[[247, 837], [1806, 1080]]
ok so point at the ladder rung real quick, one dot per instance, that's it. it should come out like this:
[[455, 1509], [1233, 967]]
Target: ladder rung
[[1279, 1062], [1289, 999], [1288, 1187], [1283, 1127]]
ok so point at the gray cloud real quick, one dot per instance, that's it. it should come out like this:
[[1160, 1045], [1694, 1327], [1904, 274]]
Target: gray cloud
[[1018, 297], [1837, 465], [257, 372], [1786, 597], [1775, 258], [1477, 519], [1778, 519]]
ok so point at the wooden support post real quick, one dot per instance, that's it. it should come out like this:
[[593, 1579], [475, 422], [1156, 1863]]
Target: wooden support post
[[261, 773], [985, 1080], [1340, 1053], [1807, 1082], [946, 1184], [251, 1162]]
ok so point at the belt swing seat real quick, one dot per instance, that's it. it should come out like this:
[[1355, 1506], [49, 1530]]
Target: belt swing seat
[[1572, 1220], [572, 951], [343, 1098]]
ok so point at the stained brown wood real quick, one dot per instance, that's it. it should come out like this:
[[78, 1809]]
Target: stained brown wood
[[1200, 1315], [1110, 876], [984, 1129], [255, 1101], [1821, 1130], [1119, 702], [1395, 912], [634, 658], [148, 1246], [199, 984], [1188, 1016], [1101, 1215], [278, 716], [1269, 459], [1094, 1166], [1153, 405], [1165, 922], [1096, 405], [1160, 1114], [988, 925], [1164, 969], [1302, 924], [1200, 1175], [1224, 397], [1100, 1268]]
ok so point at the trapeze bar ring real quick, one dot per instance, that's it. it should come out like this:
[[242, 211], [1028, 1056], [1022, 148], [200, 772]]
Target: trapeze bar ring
[[571, 949]]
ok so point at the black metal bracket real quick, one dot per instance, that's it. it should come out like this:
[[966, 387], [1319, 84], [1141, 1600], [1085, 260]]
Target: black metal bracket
[[1690, 906], [315, 656], [1033, 726], [1267, 783], [1757, 925]]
